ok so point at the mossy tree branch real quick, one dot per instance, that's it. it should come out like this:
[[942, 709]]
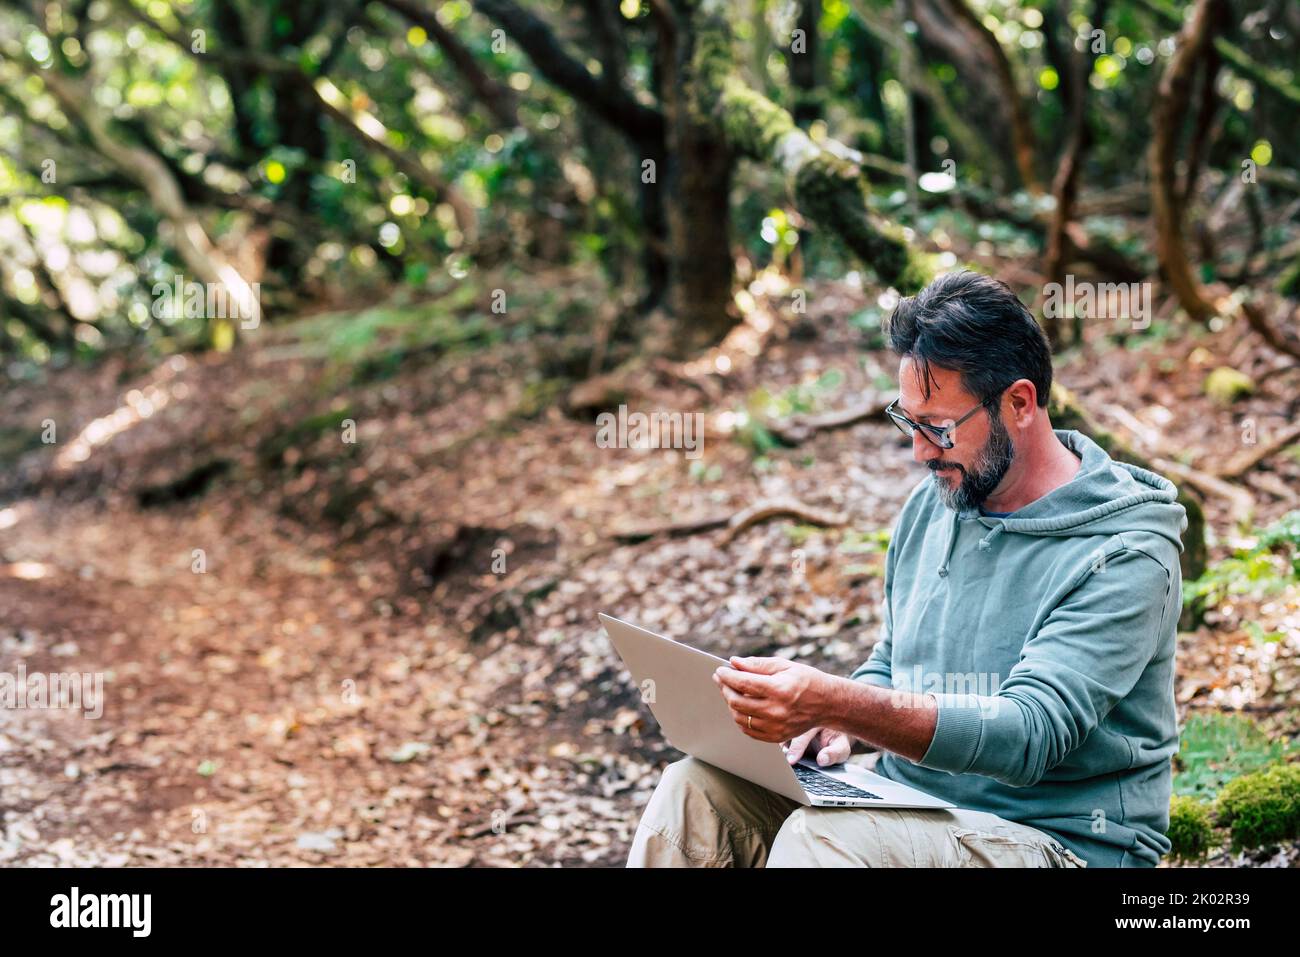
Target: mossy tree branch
[[827, 183]]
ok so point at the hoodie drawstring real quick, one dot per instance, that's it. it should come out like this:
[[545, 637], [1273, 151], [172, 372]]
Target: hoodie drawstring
[[984, 544], [952, 540]]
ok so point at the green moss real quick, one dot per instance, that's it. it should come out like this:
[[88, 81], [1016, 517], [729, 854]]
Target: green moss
[[1261, 809], [832, 191], [711, 63], [1191, 830], [751, 123], [1225, 385]]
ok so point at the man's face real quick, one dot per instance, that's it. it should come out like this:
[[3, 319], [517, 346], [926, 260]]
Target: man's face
[[972, 469]]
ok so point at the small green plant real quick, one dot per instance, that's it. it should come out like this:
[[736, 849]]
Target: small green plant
[[1154, 335], [865, 543], [753, 434], [1264, 568], [1257, 633], [701, 473], [799, 534], [762, 406], [870, 321], [1285, 534], [1191, 829], [1261, 809]]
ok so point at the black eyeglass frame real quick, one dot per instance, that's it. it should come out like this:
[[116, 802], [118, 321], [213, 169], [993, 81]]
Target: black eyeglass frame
[[935, 434]]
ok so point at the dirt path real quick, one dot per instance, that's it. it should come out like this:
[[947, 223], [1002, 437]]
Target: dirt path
[[292, 703]]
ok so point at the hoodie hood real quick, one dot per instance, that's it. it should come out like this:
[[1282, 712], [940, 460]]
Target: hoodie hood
[[1104, 497]]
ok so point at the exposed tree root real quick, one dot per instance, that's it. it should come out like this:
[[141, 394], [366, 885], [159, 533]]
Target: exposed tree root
[[737, 522], [800, 429]]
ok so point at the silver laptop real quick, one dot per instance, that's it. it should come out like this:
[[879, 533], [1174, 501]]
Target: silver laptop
[[676, 681]]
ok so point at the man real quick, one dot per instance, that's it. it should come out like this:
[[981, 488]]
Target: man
[[1025, 666]]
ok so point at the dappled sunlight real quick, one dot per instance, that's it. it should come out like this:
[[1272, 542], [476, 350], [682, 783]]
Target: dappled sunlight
[[136, 406], [11, 516], [26, 571]]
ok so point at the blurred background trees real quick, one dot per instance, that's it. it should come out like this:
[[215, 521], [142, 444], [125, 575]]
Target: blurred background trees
[[336, 150]]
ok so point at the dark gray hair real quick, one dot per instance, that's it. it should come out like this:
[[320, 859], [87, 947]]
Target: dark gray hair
[[974, 325]]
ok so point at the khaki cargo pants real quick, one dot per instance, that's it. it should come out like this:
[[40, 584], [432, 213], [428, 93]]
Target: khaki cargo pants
[[702, 816]]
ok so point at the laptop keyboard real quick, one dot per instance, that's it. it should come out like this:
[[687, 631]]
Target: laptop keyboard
[[823, 785]]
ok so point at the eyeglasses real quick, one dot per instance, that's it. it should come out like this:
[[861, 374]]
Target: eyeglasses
[[938, 435]]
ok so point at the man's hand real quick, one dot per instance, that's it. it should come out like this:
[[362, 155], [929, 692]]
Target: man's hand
[[828, 745], [773, 699]]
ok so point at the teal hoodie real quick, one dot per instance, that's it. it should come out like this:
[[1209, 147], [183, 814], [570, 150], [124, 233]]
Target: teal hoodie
[[1047, 637]]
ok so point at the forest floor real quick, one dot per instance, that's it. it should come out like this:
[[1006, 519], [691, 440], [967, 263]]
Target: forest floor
[[313, 654]]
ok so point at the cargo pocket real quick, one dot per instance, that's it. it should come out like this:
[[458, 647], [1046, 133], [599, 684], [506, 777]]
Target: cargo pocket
[[989, 849]]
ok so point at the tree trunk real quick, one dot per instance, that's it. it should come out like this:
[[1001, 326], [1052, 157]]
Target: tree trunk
[[697, 187], [1065, 185], [1167, 123], [699, 219], [825, 177], [1022, 134], [710, 117], [803, 66]]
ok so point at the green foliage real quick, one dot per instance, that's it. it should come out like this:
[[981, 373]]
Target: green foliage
[[245, 136], [1265, 568], [870, 543], [1288, 284], [865, 543], [1155, 335], [702, 473], [1261, 809], [753, 435], [870, 321], [798, 534], [1285, 534], [1215, 748], [1191, 829], [371, 345], [763, 406], [807, 397]]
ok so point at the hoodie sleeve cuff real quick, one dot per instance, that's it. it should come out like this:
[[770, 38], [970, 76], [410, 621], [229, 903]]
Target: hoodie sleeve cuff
[[957, 734], [874, 678]]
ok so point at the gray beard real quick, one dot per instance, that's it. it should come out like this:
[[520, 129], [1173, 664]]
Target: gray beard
[[979, 481]]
